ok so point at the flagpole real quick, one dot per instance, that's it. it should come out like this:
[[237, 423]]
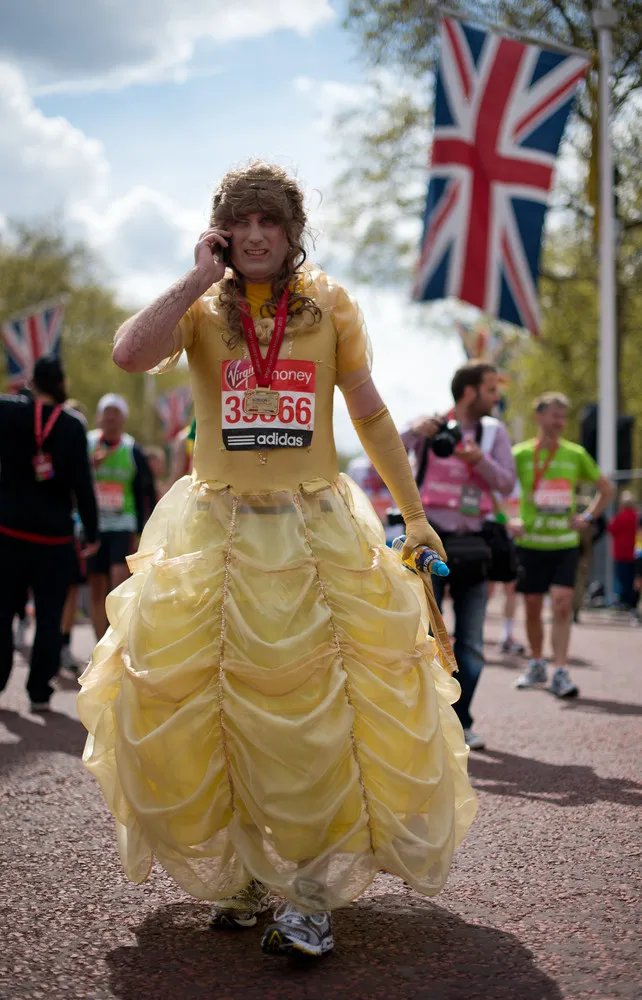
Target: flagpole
[[149, 398], [604, 20]]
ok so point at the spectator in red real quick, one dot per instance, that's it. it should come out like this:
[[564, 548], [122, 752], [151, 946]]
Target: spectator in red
[[623, 529]]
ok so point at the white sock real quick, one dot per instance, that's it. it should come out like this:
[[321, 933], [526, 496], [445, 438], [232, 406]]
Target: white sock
[[508, 630]]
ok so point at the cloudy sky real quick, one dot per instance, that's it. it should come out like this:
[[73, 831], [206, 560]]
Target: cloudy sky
[[119, 116]]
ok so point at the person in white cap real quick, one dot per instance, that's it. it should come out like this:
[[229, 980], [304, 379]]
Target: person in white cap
[[126, 497]]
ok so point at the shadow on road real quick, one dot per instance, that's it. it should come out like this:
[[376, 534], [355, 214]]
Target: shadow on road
[[587, 622], [417, 951], [560, 784], [52, 731], [598, 706], [509, 661]]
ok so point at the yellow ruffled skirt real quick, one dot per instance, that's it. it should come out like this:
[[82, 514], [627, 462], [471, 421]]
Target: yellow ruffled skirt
[[267, 702]]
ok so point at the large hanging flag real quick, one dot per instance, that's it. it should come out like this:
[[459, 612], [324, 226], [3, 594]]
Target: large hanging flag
[[500, 110], [30, 335], [173, 409]]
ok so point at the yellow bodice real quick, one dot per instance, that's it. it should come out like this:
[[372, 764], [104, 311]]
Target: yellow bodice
[[337, 345]]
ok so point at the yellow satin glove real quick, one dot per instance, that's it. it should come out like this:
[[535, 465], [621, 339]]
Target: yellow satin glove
[[384, 448], [421, 532]]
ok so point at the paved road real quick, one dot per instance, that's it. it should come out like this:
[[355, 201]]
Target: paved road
[[542, 904]]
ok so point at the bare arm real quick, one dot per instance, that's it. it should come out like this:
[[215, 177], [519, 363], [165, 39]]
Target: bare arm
[[146, 338], [604, 493]]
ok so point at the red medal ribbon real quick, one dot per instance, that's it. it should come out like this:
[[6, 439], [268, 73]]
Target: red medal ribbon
[[264, 369], [41, 435], [539, 471]]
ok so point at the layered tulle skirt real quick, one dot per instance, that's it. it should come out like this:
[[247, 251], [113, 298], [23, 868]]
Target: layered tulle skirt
[[267, 702]]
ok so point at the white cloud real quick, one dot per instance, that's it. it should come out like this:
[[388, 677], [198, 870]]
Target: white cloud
[[330, 97], [43, 159], [108, 44], [145, 240]]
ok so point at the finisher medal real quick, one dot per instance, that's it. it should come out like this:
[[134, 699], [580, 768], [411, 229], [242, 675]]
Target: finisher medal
[[264, 400], [261, 401]]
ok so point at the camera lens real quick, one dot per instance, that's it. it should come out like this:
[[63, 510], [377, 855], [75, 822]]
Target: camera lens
[[446, 439]]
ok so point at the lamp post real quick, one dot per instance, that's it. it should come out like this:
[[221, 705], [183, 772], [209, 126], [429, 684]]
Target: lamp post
[[604, 20]]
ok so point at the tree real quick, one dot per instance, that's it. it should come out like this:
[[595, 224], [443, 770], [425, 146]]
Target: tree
[[37, 263], [380, 193], [383, 184]]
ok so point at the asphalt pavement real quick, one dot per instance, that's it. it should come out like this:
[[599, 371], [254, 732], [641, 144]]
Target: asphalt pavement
[[543, 902]]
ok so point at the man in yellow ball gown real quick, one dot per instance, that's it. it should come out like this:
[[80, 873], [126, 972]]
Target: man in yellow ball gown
[[266, 712]]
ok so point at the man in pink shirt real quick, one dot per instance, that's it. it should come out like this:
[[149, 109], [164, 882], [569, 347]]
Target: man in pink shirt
[[457, 492]]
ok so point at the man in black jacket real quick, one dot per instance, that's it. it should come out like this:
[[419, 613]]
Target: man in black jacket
[[44, 469]]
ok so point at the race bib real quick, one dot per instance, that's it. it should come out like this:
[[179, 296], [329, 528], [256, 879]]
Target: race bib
[[291, 426], [553, 496], [43, 467], [110, 496], [470, 502]]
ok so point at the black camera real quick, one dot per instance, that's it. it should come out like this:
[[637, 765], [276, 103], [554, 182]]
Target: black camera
[[446, 439]]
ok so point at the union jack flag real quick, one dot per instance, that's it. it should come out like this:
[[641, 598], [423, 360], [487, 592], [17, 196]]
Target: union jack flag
[[173, 410], [30, 335], [500, 111]]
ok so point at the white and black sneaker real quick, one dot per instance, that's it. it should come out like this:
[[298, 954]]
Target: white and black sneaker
[[240, 911], [293, 931], [534, 676], [562, 686], [473, 741]]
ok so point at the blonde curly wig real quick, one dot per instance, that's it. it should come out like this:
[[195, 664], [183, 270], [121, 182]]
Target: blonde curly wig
[[264, 188]]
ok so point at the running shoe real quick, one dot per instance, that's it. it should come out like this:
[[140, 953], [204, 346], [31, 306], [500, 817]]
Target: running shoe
[[293, 931], [562, 686], [241, 911], [534, 676], [474, 741], [68, 662], [512, 648]]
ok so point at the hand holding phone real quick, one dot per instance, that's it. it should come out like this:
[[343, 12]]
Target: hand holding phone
[[211, 255]]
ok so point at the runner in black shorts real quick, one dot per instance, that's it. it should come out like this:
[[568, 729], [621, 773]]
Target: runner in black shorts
[[540, 570], [115, 546], [547, 535]]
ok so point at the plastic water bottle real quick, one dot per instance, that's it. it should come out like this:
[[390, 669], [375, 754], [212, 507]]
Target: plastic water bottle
[[425, 560]]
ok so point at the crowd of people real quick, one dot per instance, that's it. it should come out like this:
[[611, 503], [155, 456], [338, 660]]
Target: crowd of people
[[508, 515], [72, 504], [270, 706]]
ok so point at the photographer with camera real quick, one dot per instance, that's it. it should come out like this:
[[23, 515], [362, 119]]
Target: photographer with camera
[[461, 459]]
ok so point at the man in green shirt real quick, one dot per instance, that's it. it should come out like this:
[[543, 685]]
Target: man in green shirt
[[547, 534], [126, 496]]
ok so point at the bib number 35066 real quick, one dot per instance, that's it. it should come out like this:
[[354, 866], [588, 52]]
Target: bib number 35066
[[292, 423]]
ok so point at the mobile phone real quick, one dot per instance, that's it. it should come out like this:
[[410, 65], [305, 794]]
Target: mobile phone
[[226, 252]]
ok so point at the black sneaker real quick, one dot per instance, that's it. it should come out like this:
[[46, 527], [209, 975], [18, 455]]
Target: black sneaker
[[293, 931], [240, 911]]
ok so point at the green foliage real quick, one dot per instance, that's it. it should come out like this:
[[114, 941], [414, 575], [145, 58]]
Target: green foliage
[[380, 192], [38, 263]]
